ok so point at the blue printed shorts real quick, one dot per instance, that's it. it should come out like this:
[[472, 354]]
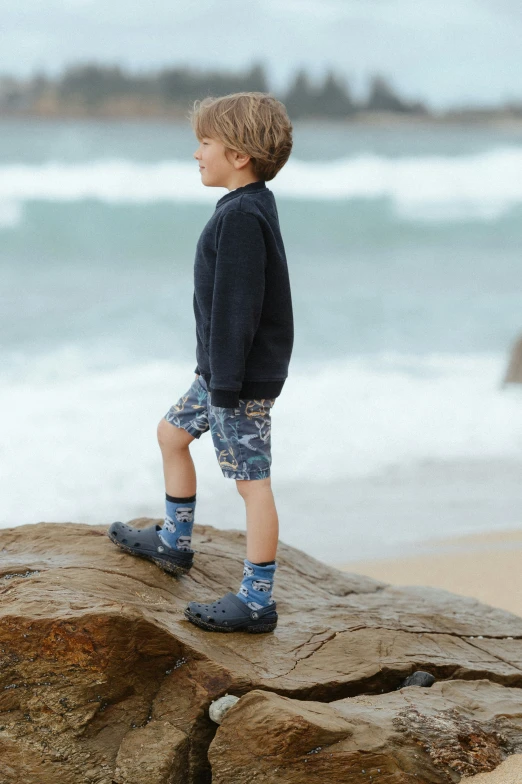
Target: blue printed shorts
[[241, 435]]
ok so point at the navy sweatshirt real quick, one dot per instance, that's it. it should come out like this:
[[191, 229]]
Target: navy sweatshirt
[[242, 299]]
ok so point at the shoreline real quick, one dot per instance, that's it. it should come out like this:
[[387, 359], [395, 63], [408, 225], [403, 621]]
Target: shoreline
[[485, 566]]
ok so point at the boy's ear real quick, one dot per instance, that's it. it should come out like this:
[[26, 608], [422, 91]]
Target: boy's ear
[[241, 159], [238, 159]]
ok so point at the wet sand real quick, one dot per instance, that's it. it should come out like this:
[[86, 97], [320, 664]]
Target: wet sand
[[485, 566]]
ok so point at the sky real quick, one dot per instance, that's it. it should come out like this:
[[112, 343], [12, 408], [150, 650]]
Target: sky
[[466, 52]]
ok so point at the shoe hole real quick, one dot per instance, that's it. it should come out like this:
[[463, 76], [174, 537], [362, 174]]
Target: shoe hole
[[222, 611], [198, 615], [136, 544], [124, 541], [211, 620]]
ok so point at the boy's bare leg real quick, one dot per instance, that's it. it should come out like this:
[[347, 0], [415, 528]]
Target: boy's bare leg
[[178, 467], [262, 519]]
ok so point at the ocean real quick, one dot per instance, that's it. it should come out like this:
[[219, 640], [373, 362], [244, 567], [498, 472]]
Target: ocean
[[393, 427]]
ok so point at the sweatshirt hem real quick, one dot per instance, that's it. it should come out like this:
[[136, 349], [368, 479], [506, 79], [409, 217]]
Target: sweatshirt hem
[[251, 390]]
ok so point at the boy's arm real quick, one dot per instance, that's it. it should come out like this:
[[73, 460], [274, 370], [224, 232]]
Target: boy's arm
[[239, 288]]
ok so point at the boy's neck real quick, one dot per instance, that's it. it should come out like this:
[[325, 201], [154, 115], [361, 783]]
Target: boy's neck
[[239, 182]]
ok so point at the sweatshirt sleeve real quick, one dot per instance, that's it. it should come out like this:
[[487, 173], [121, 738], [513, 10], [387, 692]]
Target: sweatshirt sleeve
[[239, 289]]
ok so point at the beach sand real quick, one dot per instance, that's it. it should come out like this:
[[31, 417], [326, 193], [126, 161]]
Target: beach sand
[[485, 566], [510, 772]]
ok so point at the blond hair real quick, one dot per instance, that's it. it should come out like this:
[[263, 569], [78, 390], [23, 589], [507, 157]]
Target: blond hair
[[253, 123]]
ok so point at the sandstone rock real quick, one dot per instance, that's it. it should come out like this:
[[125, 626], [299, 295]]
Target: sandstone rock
[[153, 754], [94, 649], [434, 736], [509, 772]]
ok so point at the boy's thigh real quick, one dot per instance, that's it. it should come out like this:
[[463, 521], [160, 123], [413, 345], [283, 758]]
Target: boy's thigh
[[242, 438], [191, 410]]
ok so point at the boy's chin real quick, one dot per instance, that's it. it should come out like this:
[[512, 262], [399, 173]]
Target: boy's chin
[[211, 184]]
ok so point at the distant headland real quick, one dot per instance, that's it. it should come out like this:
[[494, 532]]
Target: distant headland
[[91, 90]]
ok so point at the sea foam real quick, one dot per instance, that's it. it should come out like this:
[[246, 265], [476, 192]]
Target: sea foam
[[421, 188], [85, 437]]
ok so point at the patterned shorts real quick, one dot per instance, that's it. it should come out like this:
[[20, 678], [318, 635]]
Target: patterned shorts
[[241, 435]]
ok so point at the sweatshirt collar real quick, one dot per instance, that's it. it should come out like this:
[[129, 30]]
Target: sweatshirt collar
[[258, 185]]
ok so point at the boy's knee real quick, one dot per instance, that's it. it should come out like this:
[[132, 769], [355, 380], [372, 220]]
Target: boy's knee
[[172, 437]]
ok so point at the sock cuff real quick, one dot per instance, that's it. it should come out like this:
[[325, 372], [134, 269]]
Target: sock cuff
[[264, 564], [175, 500]]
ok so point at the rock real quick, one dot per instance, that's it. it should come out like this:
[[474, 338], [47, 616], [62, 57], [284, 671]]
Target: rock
[[96, 657], [221, 706], [435, 736], [419, 678], [509, 772], [153, 754], [514, 370]]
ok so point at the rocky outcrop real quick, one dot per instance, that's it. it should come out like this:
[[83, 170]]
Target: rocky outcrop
[[103, 680], [435, 736], [514, 369]]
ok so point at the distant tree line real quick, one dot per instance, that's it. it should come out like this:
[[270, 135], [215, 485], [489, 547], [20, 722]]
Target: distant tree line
[[93, 89]]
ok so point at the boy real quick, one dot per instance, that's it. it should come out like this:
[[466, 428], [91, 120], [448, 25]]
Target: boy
[[244, 328]]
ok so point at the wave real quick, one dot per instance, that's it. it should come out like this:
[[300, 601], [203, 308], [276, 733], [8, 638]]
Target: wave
[[341, 422], [351, 416], [422, 188]]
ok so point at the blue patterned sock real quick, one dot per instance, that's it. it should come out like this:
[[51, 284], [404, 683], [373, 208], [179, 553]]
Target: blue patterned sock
[[257, 583], [176, 531]]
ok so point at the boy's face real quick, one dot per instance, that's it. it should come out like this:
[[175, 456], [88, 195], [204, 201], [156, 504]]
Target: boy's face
[[218, 167]]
